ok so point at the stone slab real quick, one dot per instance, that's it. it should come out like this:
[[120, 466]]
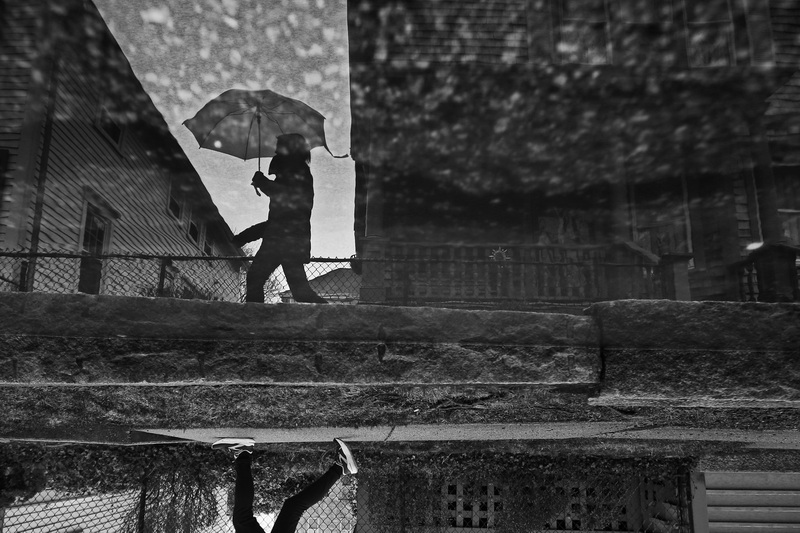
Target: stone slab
[[658, 324], [82, 315]]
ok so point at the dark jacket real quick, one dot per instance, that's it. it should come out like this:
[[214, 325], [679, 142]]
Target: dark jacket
[[291, 193]]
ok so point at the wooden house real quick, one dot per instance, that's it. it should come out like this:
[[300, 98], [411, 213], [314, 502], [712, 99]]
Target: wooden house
[[89, 166], [575, 150]]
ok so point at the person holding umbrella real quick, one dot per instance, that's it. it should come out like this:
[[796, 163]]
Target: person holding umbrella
[[247, 124], [286, 240]]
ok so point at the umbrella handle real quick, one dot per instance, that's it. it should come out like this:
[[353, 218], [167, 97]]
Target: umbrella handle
[[256, 189]]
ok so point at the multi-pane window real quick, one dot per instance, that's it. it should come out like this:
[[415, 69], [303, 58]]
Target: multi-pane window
[[709, 30], [643, 33], [584, 32]]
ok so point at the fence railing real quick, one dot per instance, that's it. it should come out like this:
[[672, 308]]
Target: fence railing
[[770, 273], [521, 273], [172, 276], [418, 275]]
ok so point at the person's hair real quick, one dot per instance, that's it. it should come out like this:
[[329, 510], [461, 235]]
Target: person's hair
[[296, 145]]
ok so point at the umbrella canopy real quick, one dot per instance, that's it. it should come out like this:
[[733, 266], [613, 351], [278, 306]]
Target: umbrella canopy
[[246, 124]]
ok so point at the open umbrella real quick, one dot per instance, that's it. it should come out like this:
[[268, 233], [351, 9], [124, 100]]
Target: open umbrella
[[246, 124]]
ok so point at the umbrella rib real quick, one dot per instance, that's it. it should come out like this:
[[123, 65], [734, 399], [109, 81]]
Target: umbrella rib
[[247, 141], [276, 122]]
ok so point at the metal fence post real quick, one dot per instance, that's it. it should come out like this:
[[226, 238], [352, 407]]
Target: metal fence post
[[23, 276], [162, 276], [142, 505]]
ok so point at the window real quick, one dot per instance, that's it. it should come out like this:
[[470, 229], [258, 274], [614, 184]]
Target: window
[[207, 248], [4, 157], [584, 32], [643, 33], [111, 129], [709, 33], [760, 32], [174, 207], [194, 231], [638, 11], [96, 232]]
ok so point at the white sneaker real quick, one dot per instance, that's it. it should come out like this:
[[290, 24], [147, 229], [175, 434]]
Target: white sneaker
[[345, 458], [236, 445]]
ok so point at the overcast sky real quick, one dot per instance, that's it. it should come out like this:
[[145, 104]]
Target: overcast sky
[[186, 52]]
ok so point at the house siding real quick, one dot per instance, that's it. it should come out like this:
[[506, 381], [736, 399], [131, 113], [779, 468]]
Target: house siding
[[61, 147], [785, 28], [81, 158], [461, 31], [18, 30]]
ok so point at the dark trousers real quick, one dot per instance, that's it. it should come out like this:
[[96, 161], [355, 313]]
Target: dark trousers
[[293, 508], [265, 263]]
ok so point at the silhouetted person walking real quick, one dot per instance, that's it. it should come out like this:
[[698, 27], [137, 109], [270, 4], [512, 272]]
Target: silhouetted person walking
[[286, 237], [293, 508]]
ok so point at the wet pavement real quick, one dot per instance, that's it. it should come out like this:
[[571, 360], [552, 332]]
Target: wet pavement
[[770, 439]]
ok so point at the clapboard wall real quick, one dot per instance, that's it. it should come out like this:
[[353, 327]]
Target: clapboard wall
[[752, 502], [130, 177], [84, 163], [18, 28]]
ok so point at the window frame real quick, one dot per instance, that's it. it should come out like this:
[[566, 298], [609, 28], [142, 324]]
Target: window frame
[[170, 198], [201, 228], [102, 114], [564, 21], [728, 30], [755, 15]]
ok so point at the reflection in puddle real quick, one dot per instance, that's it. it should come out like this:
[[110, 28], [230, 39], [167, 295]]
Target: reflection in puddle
[[191, 488]]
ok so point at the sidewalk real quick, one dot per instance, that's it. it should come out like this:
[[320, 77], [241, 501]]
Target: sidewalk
[[782, 439]]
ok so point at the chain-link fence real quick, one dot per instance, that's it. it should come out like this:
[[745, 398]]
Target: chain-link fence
[[188, 277], [398, 280], [415, 493]]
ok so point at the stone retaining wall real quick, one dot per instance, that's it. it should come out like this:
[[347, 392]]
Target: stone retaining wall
[[721, 350], [632, 348], [82, 338]]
